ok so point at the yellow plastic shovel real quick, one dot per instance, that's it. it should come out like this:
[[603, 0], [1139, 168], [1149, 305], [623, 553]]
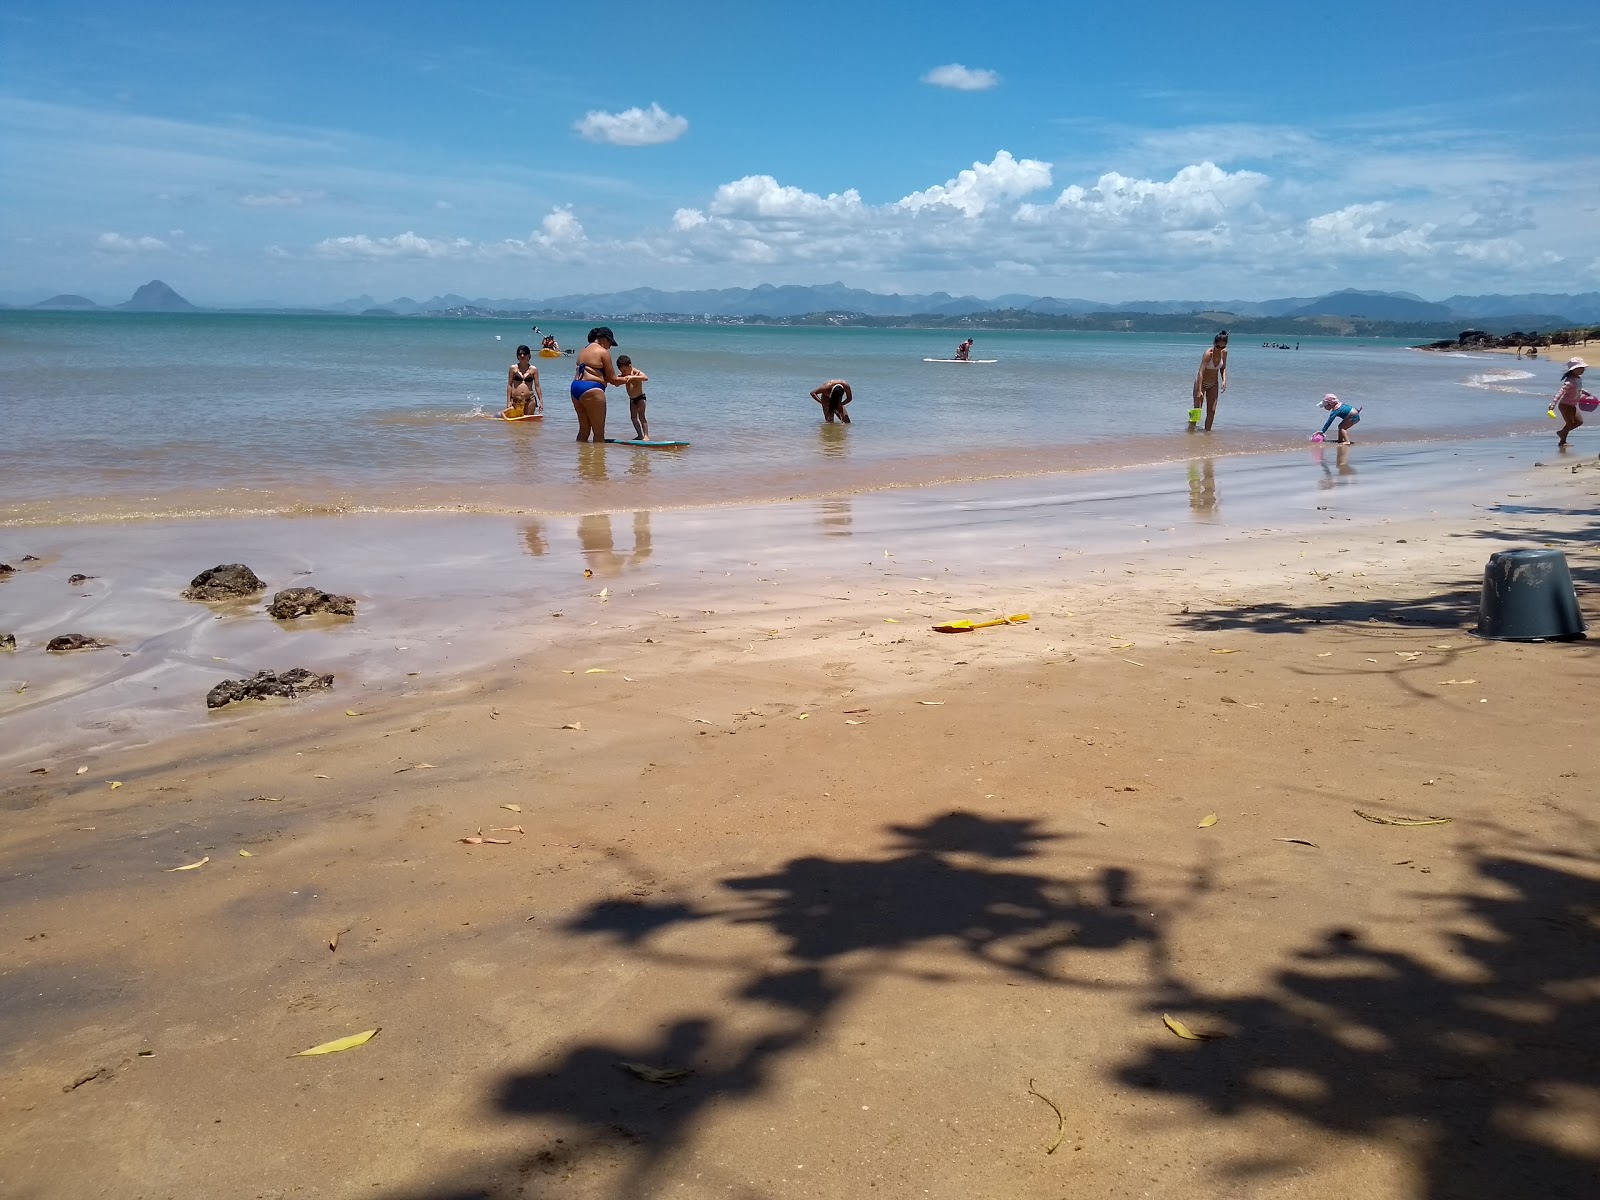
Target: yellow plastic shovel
[[969, 626]]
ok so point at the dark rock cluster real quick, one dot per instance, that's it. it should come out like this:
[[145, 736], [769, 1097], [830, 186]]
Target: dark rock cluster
[[74, 641], [8, 641], [225, 582], [299, 602], [263, 684], [75, 580]]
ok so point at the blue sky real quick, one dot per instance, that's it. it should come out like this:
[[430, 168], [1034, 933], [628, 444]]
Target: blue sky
[[305, 153]]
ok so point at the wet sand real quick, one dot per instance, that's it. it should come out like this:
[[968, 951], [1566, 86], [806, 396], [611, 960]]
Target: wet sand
[[865, 882]]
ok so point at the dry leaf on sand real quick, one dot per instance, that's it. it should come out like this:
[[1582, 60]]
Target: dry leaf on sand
[[512, 807], [338, 1044], [1406, 821], [578, 725], [190, 866], [1207, 821], [1183, 1031], [483, 841], [245, 854], [81, 771], [662, 1075], [1297, 842]]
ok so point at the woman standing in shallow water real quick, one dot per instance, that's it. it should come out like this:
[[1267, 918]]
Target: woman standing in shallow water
[[1211, 380], [594, 373], [522, 387]]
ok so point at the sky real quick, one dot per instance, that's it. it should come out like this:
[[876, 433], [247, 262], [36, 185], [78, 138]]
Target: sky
[[305, 153]]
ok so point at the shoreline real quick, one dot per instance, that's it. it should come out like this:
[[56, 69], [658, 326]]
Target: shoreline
[[867, 884]]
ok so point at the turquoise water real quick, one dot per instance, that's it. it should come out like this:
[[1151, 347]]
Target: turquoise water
[[109, 416]]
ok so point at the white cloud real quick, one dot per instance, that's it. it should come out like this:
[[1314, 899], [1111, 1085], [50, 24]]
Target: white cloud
[[962, 79], [982, 185], [633, 126], [761, 197], [559, 237], [116, 243], [1365, 229], [282, 198], [405, 245]]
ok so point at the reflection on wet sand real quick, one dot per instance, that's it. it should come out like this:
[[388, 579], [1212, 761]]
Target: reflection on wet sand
[[834, 440], [533, 539], [592, 462], [1341, 463], [836, 517], [1203, 488], [599, 546]]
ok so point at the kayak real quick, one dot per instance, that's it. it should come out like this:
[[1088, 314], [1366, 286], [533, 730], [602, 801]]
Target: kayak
[[553, 353]]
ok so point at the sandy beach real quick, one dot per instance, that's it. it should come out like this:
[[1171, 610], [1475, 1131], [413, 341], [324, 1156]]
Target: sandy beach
[[869, 909]]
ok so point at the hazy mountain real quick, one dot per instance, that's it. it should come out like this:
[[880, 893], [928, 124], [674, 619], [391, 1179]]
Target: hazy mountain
[[1584, 307], [156, 296], [1375, 306], [66, 301]]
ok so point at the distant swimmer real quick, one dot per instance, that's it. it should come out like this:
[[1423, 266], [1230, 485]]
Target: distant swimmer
[[594, 373], [963, 350], [522, 386], [1211, 380], [833, 396], [634, 380]]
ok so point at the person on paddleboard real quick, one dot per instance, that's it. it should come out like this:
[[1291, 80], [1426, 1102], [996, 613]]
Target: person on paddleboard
[[963, 350], [833, 396], [522, 386]]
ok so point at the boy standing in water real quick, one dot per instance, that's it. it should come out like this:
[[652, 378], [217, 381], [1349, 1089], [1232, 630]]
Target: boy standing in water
[[634, 381]]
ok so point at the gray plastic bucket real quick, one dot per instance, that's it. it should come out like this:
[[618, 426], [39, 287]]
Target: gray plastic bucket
[[1528, 597]]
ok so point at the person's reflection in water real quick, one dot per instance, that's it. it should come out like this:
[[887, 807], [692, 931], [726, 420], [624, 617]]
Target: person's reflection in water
[[592, 462], [836, 517], [533, 539], [1203, 488], [599, 547], [835, 440], [1341, 464]]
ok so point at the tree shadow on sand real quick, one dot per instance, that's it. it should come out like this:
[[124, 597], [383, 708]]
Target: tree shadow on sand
[[949, 887], [1479, 1066]]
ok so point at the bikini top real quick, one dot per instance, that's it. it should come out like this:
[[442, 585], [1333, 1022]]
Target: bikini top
[[524, 376], [599, 382]]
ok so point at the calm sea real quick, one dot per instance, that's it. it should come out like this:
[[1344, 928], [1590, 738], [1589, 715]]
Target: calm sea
[[111, 416]]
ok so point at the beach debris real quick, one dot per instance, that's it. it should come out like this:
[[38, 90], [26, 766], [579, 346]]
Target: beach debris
[[8, 641], [245, 854], [73, 641], [338, 1044], [225, 581], [1214, 650], [1448, 682], [265, 799], [115, 783], [1183, 1031], [512, 807], [7, 569], [21, 687], [299, 602], [1325, 654], [587, 573], [850, 722], [263, 684], [333, 942], [508, 829], [965, 626], [75, 580], [930, 702], [194, 866], [81, 771], [802, 716], [1207, 821], [350, 712], [415, 767], [1061, 1120], [665, 1076], [604, 594], [1298, 842], [597, 671], [322, 777], [1408, 822], [478, 839], [578, 725], [1131, 663], [40, 771]]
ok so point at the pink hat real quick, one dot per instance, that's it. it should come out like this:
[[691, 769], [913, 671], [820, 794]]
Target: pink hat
[[1329, 401], [1574, 363]]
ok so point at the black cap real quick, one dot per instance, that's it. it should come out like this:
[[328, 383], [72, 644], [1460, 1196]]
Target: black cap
[[602, 331]]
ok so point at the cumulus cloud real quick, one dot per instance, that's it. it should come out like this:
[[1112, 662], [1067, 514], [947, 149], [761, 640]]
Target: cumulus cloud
[[962, 79], [282, 198], [633, 126], [559, 236], [1367, 229], [404, 245], [982, 185], [117, 243]]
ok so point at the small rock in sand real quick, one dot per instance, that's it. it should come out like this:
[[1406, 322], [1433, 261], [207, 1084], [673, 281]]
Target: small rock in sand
[[77, 579], [73, 641], [267, 683], [298, 602], [8, 641], [224, 583], [6, 568]]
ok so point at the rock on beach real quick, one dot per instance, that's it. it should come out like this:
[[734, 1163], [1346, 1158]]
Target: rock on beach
[[224, 582], [264, 684], [299, 602], [74, 641]]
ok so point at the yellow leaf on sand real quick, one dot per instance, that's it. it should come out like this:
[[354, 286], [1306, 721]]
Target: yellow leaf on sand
[[350, 712], [654, 1074], [1207, 821], [512, 807], [1183, 1031], [1326, 654], [338, 1044], [321, 777], [191, 866], [597, 671], [564, 671], [930, 701], [245, 854], [1216, 651], [802, 716], [115, 783]]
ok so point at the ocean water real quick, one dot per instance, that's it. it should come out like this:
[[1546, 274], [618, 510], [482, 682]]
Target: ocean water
[[115, 416]]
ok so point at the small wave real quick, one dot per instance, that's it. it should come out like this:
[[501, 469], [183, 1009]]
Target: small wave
[[1501, 376]]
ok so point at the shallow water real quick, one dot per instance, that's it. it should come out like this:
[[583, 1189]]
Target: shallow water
[[110, 415]]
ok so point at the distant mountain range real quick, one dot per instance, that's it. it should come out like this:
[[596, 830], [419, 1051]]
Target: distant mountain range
[[1528, 311]]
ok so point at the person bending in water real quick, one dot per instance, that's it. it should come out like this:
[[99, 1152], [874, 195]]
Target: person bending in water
[[522, 386], [594, 373], [1211, 380], [833, 396], [964, 350], [1567, 398], [1342, 413], [634, 380]]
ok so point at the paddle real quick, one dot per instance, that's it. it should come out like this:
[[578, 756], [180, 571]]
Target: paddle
[[969, 626]]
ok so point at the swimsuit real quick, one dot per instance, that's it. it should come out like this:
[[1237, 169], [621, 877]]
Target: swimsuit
[[1344, 410], [639, 399], [526, 377], [580, 385]]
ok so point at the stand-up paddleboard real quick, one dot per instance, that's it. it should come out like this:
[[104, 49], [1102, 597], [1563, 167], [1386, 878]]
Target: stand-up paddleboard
[[962, 360], [646, 445], [503, 417]]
